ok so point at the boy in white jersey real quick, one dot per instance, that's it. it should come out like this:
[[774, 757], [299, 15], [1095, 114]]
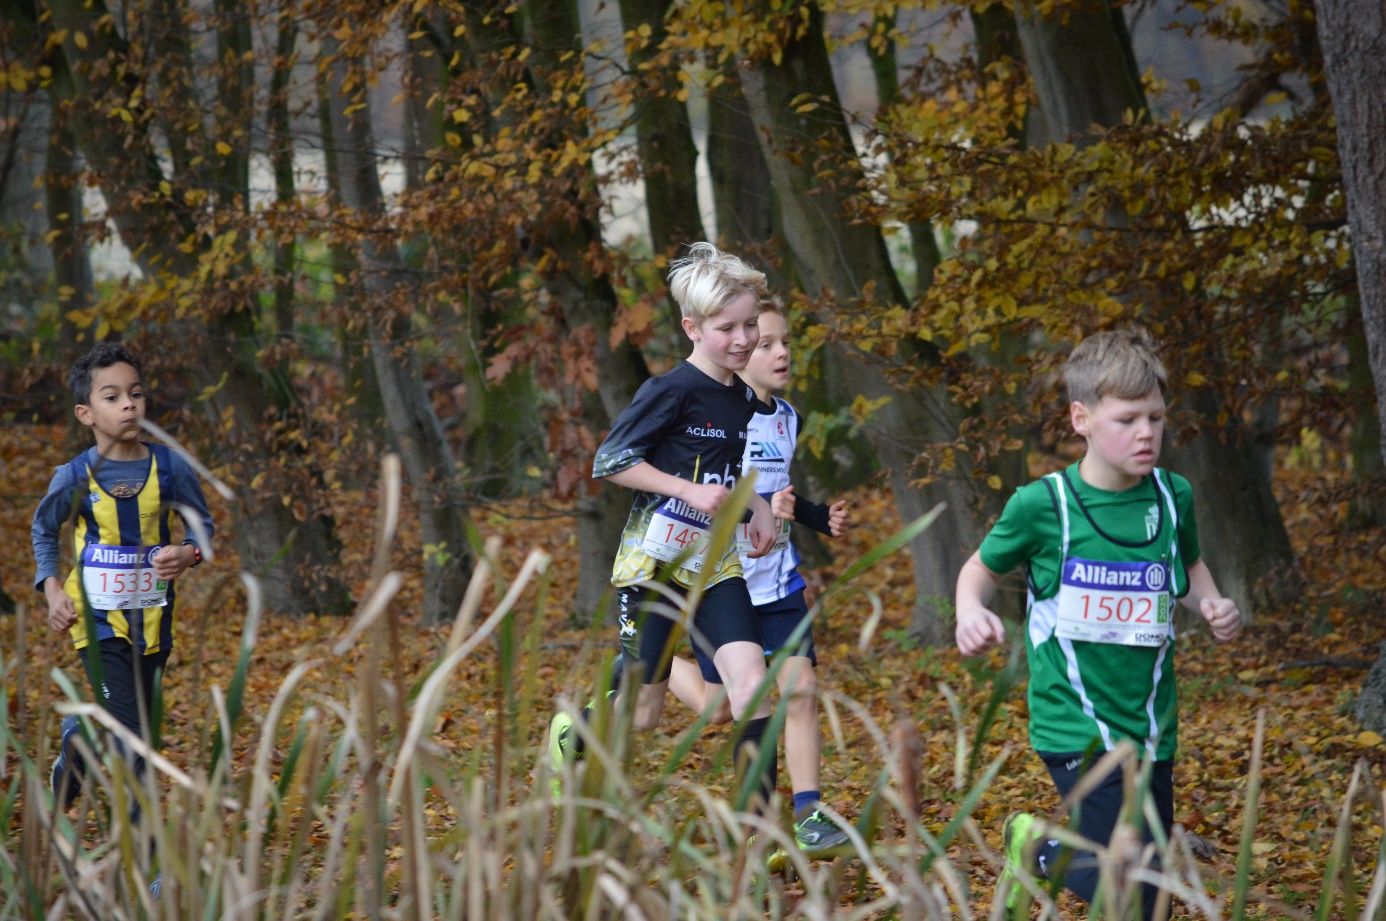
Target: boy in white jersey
[[1108, 544], [777, 589]]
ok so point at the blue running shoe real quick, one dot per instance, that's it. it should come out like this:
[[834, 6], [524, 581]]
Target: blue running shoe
[[66, 778]]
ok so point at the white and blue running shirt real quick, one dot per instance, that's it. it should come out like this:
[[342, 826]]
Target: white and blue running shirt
[[770, 441]]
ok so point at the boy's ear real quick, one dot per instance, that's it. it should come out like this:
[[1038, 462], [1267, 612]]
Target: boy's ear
[[690, 328], [1078, 415], [83, 413]]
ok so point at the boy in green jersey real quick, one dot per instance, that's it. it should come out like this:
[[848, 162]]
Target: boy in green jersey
[[1108, 545]]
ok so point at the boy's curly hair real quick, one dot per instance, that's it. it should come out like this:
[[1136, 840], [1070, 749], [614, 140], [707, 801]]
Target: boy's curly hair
[[1122, 363], [102, 356]]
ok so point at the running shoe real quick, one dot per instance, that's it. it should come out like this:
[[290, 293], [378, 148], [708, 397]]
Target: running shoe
[[816, 832], [562, 749], [1017, 836], [66, 778]]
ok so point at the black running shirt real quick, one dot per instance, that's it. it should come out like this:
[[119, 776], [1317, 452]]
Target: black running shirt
[[688, 425]]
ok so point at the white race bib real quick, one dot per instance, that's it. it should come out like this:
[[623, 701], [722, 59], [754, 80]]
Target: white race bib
[[743, 538], [1125, 604], [675, 528], [122, 578]]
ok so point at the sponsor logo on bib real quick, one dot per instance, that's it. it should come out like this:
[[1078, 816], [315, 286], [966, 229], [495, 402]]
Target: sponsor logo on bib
[[1155, 576], [1149, 577]]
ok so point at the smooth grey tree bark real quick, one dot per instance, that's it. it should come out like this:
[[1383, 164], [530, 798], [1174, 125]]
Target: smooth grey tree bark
[[846, 260], [418, 435], [1352, 34]]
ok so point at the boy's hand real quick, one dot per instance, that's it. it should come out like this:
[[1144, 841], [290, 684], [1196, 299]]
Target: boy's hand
[[839, 517], [978, 628], [782, 503], [62, 613], [705, 497], [173, 560], [763, 530], [1222, 616]]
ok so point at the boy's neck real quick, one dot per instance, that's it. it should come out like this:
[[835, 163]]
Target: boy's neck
[[1099, 475], [114, 449], [763, 394], [704, 364]]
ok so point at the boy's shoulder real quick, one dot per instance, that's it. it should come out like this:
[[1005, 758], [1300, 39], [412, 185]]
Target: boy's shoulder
[[1180, 485]]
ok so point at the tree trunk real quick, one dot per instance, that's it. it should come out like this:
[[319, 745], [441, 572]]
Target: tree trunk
[[847, 260], [1249, 550], [417, 433], [76, 289], [1354, 58], [292, 550], [282, 161], [1368, 507], [664, 137], [588, 305], [886, 69], [1352, 34], [741, 186]]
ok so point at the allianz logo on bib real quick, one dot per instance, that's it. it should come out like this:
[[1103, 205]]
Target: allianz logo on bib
[[117, 557], [677, 508], [1139, 577]]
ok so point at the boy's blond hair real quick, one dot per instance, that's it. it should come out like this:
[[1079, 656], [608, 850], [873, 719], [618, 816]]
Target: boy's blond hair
[[1123, 364], [707, 280]]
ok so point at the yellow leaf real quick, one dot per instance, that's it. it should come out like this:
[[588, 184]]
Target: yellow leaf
[[79, 40], [1369, 739], [460, 115], [1194, 379], [223, 148], [994, 481], [1190, 281]]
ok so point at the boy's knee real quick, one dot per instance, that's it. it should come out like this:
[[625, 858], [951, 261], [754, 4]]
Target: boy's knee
[[722, 715], [741, 691]]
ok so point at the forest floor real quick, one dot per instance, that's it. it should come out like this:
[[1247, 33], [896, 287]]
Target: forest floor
[[1298, 663]]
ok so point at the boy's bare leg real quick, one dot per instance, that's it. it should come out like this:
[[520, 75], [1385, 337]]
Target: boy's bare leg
[[649, 705], [688, 685], [742, 667], [803, 735]]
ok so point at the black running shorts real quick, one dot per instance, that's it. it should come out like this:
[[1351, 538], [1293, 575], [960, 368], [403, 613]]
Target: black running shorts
[[649, 635]]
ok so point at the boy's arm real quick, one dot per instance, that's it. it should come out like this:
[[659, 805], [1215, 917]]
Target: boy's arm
[[1203, 596], [705, 497], [829, 520], [172, 561], [978, 627], [52, 511]]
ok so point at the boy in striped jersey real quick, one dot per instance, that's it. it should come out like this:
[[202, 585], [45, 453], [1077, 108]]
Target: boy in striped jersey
[[121, 497], [777, 589], [1108, 545]]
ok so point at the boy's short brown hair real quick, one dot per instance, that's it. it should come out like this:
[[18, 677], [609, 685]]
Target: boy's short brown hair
[[1123, 364]]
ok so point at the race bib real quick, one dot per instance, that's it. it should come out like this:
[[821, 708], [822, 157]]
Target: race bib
[[743, 538], [1124, 604], [122, 578], [675, 528]]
